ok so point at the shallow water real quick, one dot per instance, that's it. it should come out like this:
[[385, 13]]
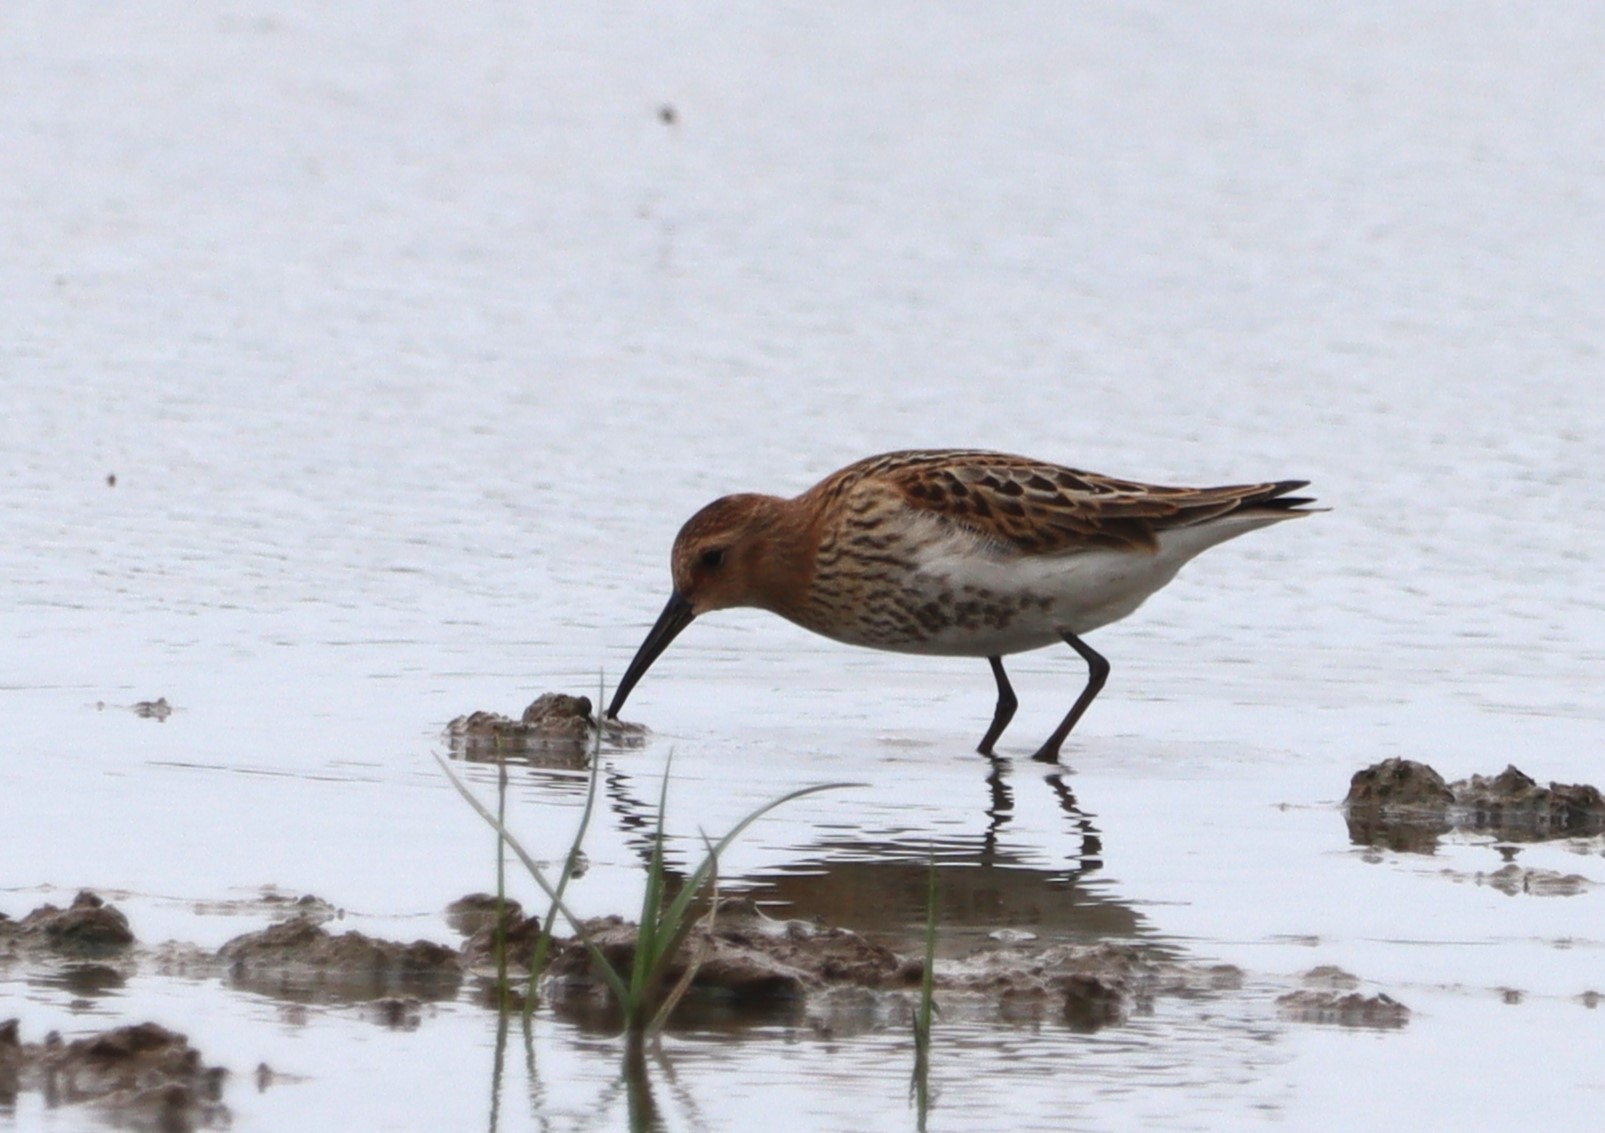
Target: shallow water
[[411, 337]]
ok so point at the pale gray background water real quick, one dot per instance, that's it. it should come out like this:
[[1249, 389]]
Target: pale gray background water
[[412, 333]]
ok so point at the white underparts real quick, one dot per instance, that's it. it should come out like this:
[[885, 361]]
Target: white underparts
[[1000, 601]]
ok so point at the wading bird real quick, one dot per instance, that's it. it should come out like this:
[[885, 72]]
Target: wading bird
[[955, 553]]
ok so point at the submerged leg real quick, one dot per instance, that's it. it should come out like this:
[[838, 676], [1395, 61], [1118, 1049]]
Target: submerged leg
[[1005, 709], [1097, 673]]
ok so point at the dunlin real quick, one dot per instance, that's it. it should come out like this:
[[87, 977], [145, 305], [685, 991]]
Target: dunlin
[[955, 553]]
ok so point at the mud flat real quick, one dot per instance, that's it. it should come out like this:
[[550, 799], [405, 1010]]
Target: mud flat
[[741, 963], [740, 966]]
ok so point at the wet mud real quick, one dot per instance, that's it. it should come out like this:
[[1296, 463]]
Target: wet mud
[[476, 913], [738, 958], [554, 726], [1405, 805], [744, 963], [743, 967], [89, 948], [1088, 986], [1330, 996], [740, 966], [88, 928], [142, 1076], [299, 959], [1344, 1009]]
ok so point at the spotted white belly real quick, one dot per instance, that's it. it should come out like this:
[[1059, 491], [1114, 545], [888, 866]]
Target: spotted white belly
[[995, 601]]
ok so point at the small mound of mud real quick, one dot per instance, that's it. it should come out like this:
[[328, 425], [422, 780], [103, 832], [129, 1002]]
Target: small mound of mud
[[1405, 805], [1329, 996], [1092, 1003], [476, 913], [144, 1075], [734, 962], [88, 929], [1513, 803], [298, 960], [1345, 1009], [1398, 784], [555, 725], [158, 709], [1089, 986], [1330, 977]]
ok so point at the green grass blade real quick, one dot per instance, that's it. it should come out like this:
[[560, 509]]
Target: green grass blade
[[614, 981], [543, 942], [662, 931], [683, 985], [676, 913], [923, 1017], [676, 922], [650, 959], [499, 937]]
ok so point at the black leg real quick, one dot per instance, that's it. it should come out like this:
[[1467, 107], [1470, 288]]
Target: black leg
[[1097, 673], [1005, 709]]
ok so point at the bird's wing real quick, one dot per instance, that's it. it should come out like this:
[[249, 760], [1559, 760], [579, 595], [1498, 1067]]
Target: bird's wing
[[1040, 508]]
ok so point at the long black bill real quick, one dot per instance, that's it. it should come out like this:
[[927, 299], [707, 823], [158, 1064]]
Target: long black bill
[[675, 617]]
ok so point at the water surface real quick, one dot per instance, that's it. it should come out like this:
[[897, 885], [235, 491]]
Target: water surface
[[411, 336]]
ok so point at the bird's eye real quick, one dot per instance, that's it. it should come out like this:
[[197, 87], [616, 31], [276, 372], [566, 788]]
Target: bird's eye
[[712, 559]]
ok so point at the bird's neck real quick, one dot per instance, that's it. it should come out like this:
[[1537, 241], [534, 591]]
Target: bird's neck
[[783, 559]]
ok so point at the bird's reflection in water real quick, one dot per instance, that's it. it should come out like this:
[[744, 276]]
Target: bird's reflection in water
[[986, 883], [878, 883], [1001, 812]]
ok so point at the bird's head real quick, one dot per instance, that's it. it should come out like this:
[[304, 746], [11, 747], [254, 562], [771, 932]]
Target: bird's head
[[731, 553]]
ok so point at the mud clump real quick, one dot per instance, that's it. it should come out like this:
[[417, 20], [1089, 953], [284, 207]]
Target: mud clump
[[1406, 805], [739, 964], [1345, 1009], [89, 928], [1330, 977], [554, 724], [143, 1075], [298, 960], [1092, 1002], [1399, 784], [476, 913], [158, 709], [1088, 986], [1329, 996], [1512, 802], [560, 715]]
